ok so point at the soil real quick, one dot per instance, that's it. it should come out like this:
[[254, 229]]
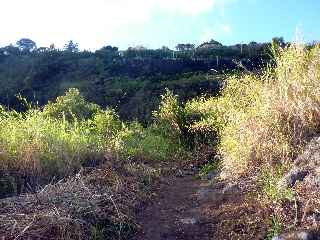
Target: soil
[[188, 208]]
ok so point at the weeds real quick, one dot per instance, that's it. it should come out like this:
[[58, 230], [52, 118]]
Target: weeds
[[270, 189], [211, 167], [266, 118], [70, 133], [275, 228]]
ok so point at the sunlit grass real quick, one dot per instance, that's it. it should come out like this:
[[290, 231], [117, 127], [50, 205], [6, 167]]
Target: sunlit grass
[[71, 133], [265, 119]]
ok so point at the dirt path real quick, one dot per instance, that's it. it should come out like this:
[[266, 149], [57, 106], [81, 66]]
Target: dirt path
[[178, 212], [191, 209]]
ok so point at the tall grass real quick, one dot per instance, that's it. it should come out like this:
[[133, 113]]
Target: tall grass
[[34, 144], [69, 133], [266, 118]]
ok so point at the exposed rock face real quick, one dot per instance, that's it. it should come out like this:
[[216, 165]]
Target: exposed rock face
[[306, 167]]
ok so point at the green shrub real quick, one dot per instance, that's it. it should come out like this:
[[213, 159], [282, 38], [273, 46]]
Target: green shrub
[[210, 167], [151, 144], [56, 141], [71, 133], [269, 184], [169, 115], [71, 106], [275, 228], [33, 143]]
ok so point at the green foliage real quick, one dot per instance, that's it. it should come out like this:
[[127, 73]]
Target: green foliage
[[170, 114], [275, 229], [130, 81], [57, 141], [35, 144], [71, 106], [210, 167], [71, 133], [151, 144], [269, 183]]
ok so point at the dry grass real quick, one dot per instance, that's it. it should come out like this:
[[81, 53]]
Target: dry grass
[[98, 204], [265, 119]]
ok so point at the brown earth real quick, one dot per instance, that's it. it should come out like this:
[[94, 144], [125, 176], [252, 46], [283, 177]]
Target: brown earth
[[189, 208]]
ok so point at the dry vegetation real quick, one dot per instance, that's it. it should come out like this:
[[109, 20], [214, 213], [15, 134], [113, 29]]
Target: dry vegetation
[[78, 170], [98, 204], [258, 124], [265, 119]]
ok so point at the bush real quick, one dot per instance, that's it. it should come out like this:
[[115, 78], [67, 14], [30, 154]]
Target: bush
[[169, 115], [71, 106], [57, 141], [71, 133], [266, 118], [34, 144], [150, 144]]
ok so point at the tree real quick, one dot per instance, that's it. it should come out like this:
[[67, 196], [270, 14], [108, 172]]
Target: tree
[[26, 45], [278, 41], [165, 48], [11, 50], [212, 41], [107, 53], [71, 47]]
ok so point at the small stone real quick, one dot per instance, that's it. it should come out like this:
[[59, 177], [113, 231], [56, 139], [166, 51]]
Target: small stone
[[179, 173], [190, 221], [211, 175]]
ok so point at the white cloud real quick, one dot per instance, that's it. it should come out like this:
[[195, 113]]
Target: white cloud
[[91, 22]]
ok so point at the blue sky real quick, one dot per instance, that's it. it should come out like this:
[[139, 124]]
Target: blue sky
[[154, 23]]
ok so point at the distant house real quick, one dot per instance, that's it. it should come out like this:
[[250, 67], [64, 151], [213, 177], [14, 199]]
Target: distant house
[[210, 45]]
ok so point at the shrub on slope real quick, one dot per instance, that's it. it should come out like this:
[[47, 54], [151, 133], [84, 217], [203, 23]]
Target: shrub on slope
[[265, 119]]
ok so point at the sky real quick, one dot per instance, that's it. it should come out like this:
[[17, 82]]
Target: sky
[[156, 23]]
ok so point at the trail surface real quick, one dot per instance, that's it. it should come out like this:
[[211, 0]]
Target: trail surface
[[187, 208], [183, 210]]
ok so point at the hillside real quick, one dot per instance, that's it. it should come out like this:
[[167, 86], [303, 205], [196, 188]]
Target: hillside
[[130, 81], [235, 156]]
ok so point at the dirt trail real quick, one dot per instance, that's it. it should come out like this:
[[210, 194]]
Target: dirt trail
[[179, 211], [187, 208]]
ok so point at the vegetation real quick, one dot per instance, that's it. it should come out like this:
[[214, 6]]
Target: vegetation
[[252, 120], [129, 81], [264, 119], [65, 135]]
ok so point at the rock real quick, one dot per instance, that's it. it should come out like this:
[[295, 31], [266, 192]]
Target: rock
[[183, 173], [231, 188], [179, 173], [306, 167], [209, 176], [299, 235], [189, 221], [219, 193], [292, 177], [207, 193]]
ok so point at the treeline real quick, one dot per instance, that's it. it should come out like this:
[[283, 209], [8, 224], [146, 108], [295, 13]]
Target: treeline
[[130, 80]]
